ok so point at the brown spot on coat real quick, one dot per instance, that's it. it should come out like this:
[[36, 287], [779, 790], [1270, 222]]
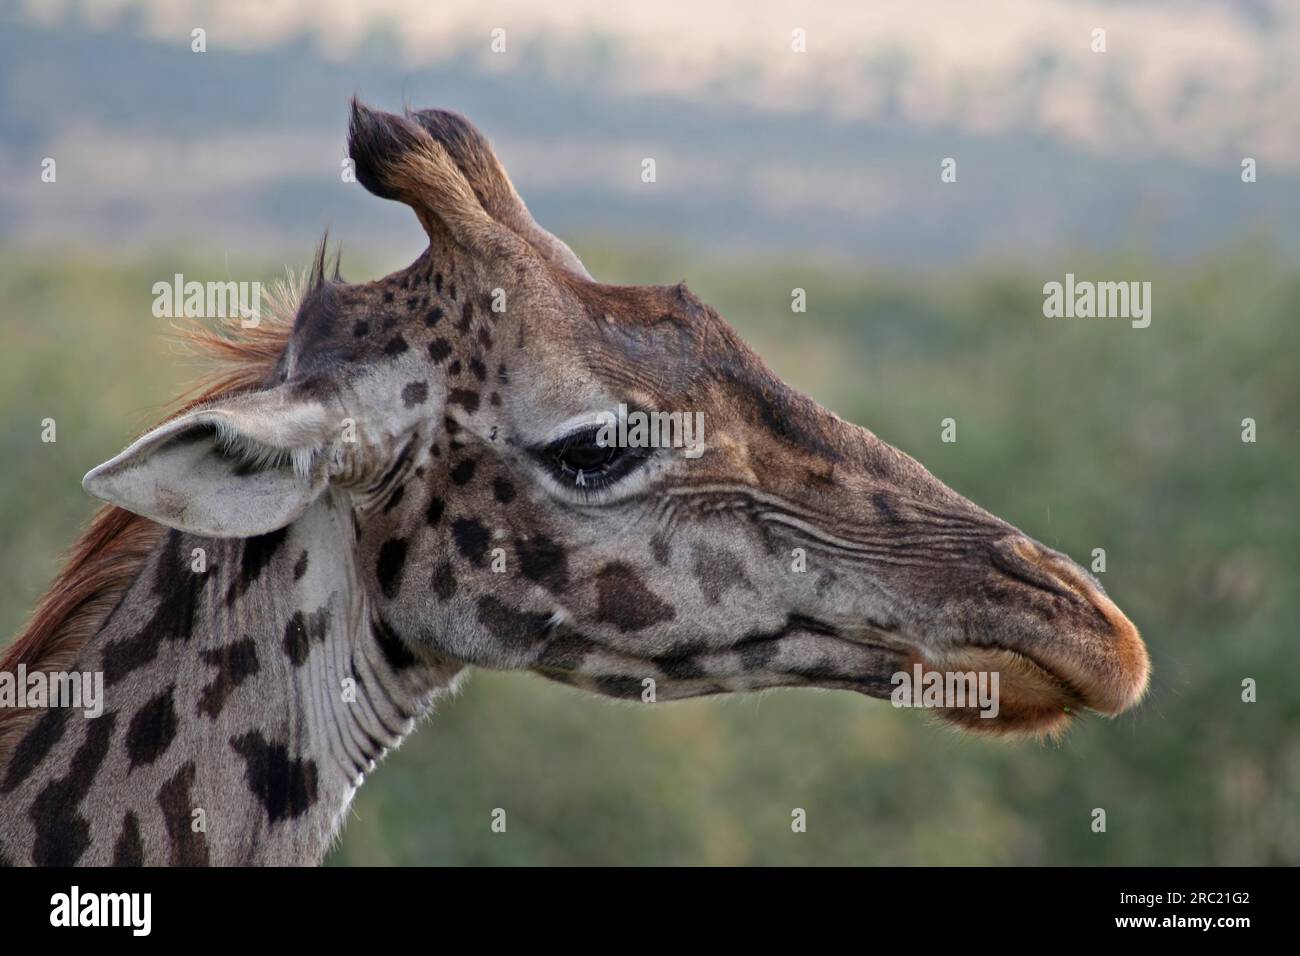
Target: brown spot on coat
[[129, 848], [235, 663], [544, 561], [717, 570], [444, 581], [515, 628], [389, 567], [465, 397], [285, 786], [303, 630], [152, 729], [624, 601], [186, 846], [62, 833], [439, 349], [471, 539], [415, 393]]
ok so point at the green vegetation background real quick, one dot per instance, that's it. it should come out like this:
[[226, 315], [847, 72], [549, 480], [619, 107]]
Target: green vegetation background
[[1085, 433]]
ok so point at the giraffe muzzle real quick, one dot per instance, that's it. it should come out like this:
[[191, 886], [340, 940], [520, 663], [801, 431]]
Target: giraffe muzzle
[[1107, 662], [1058, 645]]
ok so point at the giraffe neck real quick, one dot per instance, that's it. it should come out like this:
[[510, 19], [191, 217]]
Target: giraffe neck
[[247, 692]]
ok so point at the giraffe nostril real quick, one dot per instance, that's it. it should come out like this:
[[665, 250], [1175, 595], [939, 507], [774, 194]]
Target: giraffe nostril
[[1020, 558], [1072, 576], [1026, 548], [1068, 575]]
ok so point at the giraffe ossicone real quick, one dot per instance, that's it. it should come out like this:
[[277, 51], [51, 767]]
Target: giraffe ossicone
[[393, 481]]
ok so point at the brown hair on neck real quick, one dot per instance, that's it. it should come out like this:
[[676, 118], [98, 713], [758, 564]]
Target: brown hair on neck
[[109, 554]]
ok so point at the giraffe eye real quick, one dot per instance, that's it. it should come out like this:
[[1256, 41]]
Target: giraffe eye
[[584, 456], [582, 462]]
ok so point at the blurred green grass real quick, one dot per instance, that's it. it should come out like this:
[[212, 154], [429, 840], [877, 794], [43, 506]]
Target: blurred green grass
[[1085, 433]]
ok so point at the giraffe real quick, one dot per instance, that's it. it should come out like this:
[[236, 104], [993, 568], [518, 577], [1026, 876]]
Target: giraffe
[[394, 481]]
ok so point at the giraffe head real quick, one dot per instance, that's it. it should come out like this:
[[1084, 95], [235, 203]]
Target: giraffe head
[[461, 410]]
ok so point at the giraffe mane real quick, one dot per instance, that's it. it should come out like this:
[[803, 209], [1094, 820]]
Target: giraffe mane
[[108, 555]]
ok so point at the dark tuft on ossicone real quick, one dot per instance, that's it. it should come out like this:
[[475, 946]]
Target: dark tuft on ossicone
[[375, 140]]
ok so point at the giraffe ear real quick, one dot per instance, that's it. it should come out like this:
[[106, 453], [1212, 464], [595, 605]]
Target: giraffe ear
[[233, 469]]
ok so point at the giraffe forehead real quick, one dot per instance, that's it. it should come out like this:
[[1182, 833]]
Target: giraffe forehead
[[650, 334]]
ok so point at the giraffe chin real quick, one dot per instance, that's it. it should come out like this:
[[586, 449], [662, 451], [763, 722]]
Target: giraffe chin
[[1031, 701]]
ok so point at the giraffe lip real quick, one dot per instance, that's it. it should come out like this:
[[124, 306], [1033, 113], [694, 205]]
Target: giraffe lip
[[1033, 698], [1048, 672], [888, 639], [1074, 699]]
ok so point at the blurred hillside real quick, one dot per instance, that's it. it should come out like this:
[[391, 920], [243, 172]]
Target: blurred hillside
[[835, 151], [1085, 433]]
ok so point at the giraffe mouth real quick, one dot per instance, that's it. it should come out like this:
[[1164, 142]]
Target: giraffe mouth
[[989, 689], [995, 689], [1007, 692], [1036, 666], [1038, 691]]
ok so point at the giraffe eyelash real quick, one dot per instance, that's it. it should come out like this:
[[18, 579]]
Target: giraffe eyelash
[[610, 466]]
